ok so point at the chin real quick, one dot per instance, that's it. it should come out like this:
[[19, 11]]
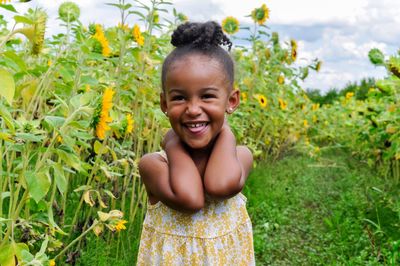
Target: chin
[[194, 145]]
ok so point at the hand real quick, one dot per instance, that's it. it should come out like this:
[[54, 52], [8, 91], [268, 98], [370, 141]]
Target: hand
[[225, 126]]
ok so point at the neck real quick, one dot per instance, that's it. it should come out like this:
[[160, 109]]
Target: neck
[[202, 152]]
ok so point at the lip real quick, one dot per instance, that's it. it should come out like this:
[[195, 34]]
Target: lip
[[196, 133]]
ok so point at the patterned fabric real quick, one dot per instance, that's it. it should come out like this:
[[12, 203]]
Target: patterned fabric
[[218, 234]]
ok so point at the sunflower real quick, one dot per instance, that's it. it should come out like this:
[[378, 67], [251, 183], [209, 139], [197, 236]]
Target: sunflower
[[123, 27], [244, 96], [349, 95], [101, 38], [281, 79], [137, 35], [262, 100], [129, 124], [305, 123], [293, 44], [230, 25], [260, 15], [394, 66], [51, 262], [282, 104], [315, 106], [318, 66], [391, 108], [103, 117], [120, 225]]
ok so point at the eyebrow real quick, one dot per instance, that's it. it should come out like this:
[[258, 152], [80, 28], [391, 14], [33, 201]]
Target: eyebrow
[[177, 90]]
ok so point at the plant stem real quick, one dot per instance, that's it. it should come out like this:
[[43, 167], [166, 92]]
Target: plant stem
[[76, 240]]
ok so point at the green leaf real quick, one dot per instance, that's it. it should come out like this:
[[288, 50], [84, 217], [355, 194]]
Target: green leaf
[[138, 13], [70, 159], [6, 116], [89, 80], [59, 176], [82, 188], [54, 121], [99, 148], [22, 19], [9, 8], [10, 251], [7, 256], [29, 137], [65, 74], [38, 184], [16, 60], [7, 85]]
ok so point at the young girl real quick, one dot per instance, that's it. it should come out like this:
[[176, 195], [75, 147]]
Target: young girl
[[196, 214]]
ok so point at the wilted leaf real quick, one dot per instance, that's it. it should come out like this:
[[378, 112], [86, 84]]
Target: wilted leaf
[[87, 198], [103, 216], [98, 229]]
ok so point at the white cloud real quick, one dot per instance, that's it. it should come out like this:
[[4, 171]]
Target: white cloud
[[340, 32]]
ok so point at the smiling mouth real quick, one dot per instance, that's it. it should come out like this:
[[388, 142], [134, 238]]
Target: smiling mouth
[[197, 127]]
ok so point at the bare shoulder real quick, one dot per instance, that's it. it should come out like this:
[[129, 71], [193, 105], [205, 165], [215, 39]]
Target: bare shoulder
[[245, 152], [152, 165]]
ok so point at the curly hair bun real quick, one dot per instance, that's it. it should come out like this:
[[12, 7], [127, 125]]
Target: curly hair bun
[[202, 35]]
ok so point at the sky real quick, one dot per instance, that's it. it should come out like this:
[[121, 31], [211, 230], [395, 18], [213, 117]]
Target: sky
[[338, 32]]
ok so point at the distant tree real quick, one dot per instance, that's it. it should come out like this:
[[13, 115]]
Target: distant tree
[[360, 91]]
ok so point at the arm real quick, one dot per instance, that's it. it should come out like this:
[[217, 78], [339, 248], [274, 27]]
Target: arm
[[177, 184], [228, 166]]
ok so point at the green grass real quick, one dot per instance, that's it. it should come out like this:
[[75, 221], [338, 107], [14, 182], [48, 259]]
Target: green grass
[[331, 211]]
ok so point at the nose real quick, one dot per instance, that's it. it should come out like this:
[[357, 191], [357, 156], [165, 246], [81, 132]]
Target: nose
[[193, 108]]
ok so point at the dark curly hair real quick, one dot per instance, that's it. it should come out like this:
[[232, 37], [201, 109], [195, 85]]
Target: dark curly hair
[[200, 38]]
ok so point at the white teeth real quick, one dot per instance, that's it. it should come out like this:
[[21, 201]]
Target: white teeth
[[196, 125]]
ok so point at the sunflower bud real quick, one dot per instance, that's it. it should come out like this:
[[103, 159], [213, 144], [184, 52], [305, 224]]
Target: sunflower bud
[[376, 57], [35, 32], [69, 12]]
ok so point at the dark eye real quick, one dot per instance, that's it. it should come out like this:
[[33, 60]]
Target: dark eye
[[177, 98], [208, 96]]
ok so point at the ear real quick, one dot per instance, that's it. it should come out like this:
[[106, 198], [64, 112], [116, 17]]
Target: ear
[[233, 101], [163, 102]]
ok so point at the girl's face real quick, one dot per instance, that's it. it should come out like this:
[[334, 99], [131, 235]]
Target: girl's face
[[197, 95]]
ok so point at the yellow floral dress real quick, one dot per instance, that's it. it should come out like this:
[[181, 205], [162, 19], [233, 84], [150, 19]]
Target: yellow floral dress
[[219, 234]]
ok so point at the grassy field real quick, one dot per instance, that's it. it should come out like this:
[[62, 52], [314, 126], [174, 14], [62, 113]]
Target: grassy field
[[326, 212], [304, 211]]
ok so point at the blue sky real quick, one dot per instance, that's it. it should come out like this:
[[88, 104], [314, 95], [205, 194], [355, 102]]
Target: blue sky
[[340, 32]]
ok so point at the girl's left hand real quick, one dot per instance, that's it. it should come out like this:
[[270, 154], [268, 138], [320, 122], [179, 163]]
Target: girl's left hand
[[225, 126]]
